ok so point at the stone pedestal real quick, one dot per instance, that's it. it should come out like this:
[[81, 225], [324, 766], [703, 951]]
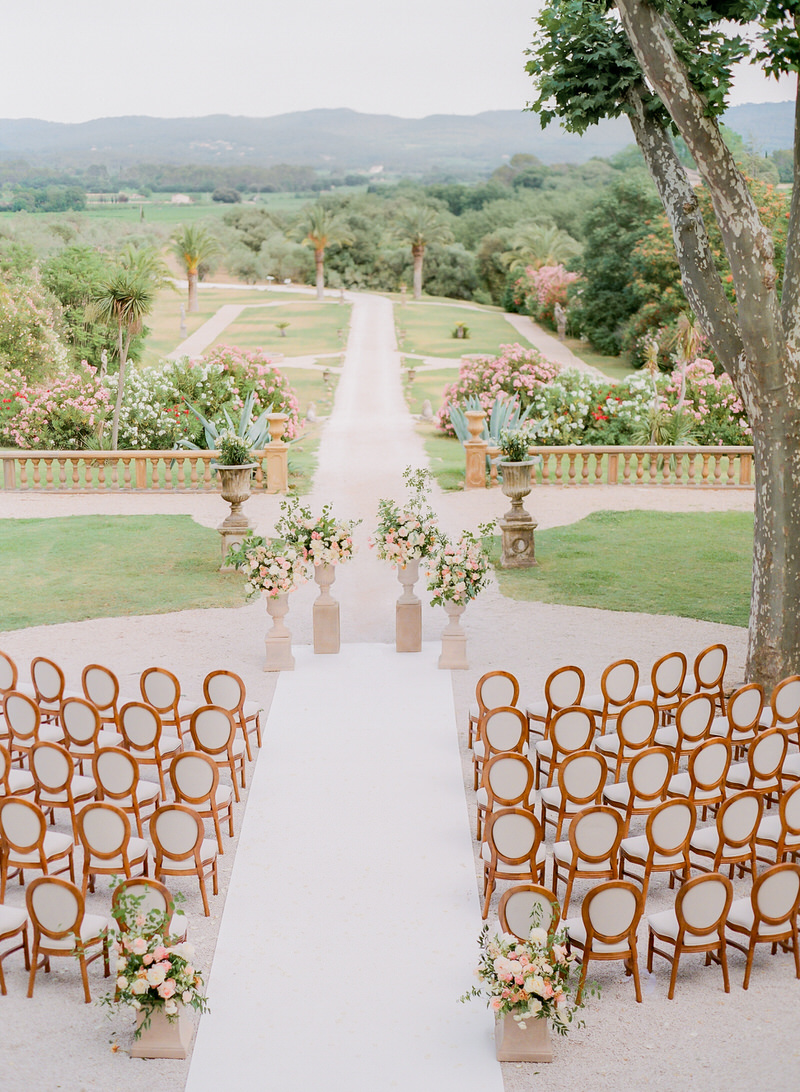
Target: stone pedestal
[[277, 453], [235, 488], [326, 612], [517, 526], [408, 611], [475, 449], [528, 1044], [454, 639], [162, 1038], [278, 641]]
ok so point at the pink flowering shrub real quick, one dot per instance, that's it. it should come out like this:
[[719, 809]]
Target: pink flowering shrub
[[713, 403], [516, 371], [541, 289], [63, 413]]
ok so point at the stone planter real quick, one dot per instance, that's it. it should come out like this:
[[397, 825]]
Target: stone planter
[[517, 526], [475, 449], [277, 453], [235, 488], [326, 612], [454, 639], [278, 641], [528, 1044], [162, 1038], [408, 610]]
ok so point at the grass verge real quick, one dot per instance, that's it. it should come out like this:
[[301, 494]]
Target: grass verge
[[428, 330], [314, 327], [76, 567], [691, 565], [445, 456]]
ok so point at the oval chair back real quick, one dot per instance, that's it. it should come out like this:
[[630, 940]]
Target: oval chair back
[[151, 900], [23, 719], [48, 682], [8, 673], [513, 849], [62, 927], [617, 688], [528, 906], [708, 671], [610, 916], [101, 687]]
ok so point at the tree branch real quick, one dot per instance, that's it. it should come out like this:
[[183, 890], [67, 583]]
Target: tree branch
[[790, 303]]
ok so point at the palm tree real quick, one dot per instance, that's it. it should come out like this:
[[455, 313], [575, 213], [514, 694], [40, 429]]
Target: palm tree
[[419, 226], [540, 244], [320, 228], [192, 245], [123, 300]]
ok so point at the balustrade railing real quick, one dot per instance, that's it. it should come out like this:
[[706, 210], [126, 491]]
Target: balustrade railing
[[671, 466]]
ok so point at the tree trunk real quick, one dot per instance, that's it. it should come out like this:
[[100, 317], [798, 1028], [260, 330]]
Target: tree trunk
[[419, 253], [191, 276], [319, 260], [123, 360]]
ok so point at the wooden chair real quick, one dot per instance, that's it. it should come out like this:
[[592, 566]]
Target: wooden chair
[[563, 687], [742, 721], [708, 674], [214, 732], [695, 925], [116, 773], [703, 785], [513, 850], [581, 778], [493, 689], [636, 728], [507, 782], [769, 916], [83, 730], [50, 688], [9, 675], [693, 718], [13, 922], [646, 786], [161, 689], [618, 684], [502, 729], [195, 782], [109, 848], [571, 730], [784, 708], [57, 784], [591, 850], [181, 848], [14, 782], [101, 688], [666, 685], [606, 929], [26, 843], [731, 841], [528, 906], [61, 927], [764, 766], [143, 732], [227, 690], [664, 846], [780, 834], [24, 723], [154, 903]]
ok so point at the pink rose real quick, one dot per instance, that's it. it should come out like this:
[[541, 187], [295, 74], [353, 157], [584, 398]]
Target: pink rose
[[167, 988]]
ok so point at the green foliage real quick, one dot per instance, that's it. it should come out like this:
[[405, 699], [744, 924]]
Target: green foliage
[[74, 275], [30, 341], [251, 434]]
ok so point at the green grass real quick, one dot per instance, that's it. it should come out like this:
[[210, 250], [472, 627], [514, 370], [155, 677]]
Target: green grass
[[428, 385], [309, 385], [692, 565], [313, 328], [615, 367], [445, 456], [69, 569], [428, 330]]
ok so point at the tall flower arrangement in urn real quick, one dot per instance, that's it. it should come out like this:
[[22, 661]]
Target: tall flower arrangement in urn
[[457, 573]]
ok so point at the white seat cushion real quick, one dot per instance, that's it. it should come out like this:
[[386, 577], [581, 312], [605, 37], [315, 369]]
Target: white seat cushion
[[665, 924], [11, 918], [739, 775], [482, 797], [618, 794], [137, 851], [208, 851], [536, 710], [705, 840], [595, 702], [636, 850], [609, 744], [769, 832], [544, 748], [741, 914], [91, 926], [791, 767], [502, 866], [643, 693], [474, 710], [479, 749], [55, 844], [666, 737], [168, 745], [681, 785], [81, 786], [105, 738], [20, 782], [253, 708], [562, 852], [576, 931]]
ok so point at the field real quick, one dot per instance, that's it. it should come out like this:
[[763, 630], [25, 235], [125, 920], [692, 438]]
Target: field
[[314, 327], [428, 329]]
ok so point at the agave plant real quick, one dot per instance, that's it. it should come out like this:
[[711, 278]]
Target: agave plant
[[505, 415], [254, 432]]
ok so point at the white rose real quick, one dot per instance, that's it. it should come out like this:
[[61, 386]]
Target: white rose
[[170, 1007], [122, 982], [121, 964], [186, 996], [156, 974], [140, 986]]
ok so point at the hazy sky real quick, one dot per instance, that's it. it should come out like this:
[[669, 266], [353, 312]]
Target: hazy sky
[[73, 60]]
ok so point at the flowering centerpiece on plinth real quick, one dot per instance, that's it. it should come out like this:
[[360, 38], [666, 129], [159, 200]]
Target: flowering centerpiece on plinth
[[325, 542], [404, 536], [457, 573], [526, 983], [157, 978], [273, 568], [234, 469], [517, 525]]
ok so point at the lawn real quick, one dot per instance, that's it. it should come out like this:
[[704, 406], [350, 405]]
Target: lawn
[[445, 456], [428, 385], [68, 569], [692, 565], [314, 327], [615, 367], [428, 330]]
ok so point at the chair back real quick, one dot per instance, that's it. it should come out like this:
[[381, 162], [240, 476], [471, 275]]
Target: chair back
[[702, 904], [161, 689], [582, 776], [527, 906], [564, 686], [22, 824], [775, 895], [152, 897], [785, 702], [649, 773], [225, 689], [571, 729], [789, 810], [668, 675], [80, 722], [494, 689], [8, 673], [514, 835], [101, 687], [104, 830], [637, 724], [670, 827], [765, 756], [619, 681], [745, 707], [693, 718], [709, 764], [594, 835], [194, 777], [5, 769], [48, 681], [709, 668], [23, 717], [212, 729], [508, 780], [504, 729], [55, 907], [176, 832], [738, 818], [140, 725], [52, 767], [116, 773], [611, 912]]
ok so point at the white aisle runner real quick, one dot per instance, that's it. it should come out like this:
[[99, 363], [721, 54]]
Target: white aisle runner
[[351, 921]]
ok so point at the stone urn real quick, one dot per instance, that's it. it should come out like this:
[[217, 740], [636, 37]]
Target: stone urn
[[278, 641], [475, 449], [408, 610], [517, 525], [326, 612], [454, 639], [235, 488], [277, 453]]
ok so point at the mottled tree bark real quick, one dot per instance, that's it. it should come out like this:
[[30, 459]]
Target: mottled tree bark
[[418, 253]]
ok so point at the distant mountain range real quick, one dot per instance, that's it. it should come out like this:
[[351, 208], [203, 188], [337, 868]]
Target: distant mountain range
[[347, 140]]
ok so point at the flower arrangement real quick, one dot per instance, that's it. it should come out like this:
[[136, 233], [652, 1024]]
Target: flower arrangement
[[322, 541], [408, 533], [459, 571], [154, 970], [514, 444], [270, 566], [234, 450], [526, 979]]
